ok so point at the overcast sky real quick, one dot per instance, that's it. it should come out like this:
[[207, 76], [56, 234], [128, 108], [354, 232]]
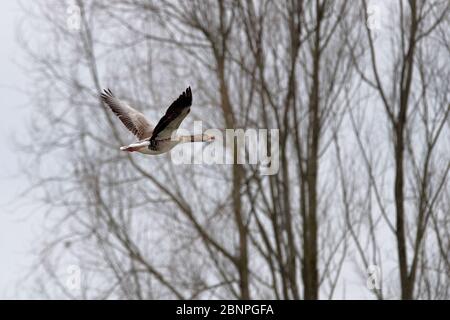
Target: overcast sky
[[18, 223]]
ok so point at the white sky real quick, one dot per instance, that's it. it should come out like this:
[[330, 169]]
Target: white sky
[[17, 222]]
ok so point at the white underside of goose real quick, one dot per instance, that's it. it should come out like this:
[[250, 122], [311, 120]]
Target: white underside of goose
[[143, 147]]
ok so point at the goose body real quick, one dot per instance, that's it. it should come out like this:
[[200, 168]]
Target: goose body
[[143, 146], [161, 138]]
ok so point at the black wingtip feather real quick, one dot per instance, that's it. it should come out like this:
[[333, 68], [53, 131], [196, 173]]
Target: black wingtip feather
[[106, 93], [188, 95]]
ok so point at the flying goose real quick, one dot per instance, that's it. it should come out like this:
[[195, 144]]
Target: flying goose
[[159, 139]]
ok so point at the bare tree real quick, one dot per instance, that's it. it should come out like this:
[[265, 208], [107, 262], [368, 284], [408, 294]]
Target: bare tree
[[145, 228], [407, 86]]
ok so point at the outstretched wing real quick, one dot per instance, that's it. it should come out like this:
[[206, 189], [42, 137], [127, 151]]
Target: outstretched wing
[[175, 114], [131, 118]]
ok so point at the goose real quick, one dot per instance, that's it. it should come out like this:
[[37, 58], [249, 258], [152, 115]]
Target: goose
[[163, 137]]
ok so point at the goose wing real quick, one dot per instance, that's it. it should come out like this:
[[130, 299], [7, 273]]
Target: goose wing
[[131, 118], [175, 114]]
